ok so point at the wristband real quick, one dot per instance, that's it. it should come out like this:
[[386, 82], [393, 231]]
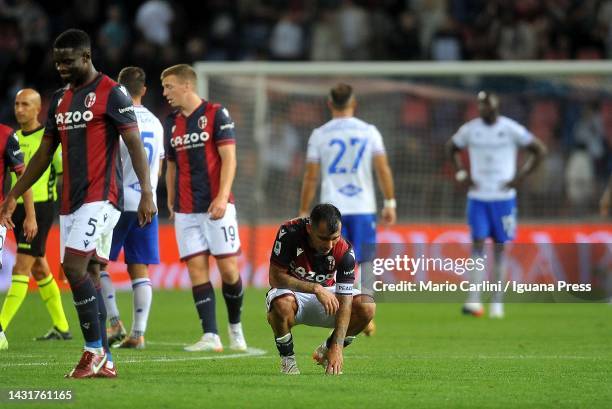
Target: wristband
[[461, 175], [390, 203]]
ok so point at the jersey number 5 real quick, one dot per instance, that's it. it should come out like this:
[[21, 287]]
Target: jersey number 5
[[148, 145], [356, 143]]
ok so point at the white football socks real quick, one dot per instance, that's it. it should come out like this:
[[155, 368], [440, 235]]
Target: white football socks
[[476, 276], [143, 294], [499, 272], [110, 298]]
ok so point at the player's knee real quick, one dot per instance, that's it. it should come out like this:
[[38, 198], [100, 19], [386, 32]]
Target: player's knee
[[39, 273], [283, 308], [23, 264], [73, 270], [478, 244], [101, 311], [20, 270], [364, 307]]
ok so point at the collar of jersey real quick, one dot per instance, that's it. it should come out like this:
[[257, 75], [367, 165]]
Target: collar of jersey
[[75, 89], [194, 111], [28, 133]]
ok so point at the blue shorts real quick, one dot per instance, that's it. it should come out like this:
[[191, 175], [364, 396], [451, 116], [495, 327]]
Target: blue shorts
[[494, 219], [360, 231], [140, 244]]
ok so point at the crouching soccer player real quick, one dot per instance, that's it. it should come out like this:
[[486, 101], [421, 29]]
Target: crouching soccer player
[[312, 271]]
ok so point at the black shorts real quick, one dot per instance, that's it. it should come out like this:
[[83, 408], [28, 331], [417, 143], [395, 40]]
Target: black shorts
[[45, 213]]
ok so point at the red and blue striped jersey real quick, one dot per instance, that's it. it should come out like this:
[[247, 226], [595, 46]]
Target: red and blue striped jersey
[[293, 251], [192, 143], [10, 155], [87, 121]]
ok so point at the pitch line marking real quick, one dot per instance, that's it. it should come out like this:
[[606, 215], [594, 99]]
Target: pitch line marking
[[250, 352], [485, 357]]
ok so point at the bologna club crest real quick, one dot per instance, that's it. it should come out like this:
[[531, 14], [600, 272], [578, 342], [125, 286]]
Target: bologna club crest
[[202, 121], [90, 99]]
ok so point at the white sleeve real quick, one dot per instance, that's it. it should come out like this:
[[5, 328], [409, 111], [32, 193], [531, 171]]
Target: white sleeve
[[378, 145], [520, 134], [312, 153], [160, 139], [461, 137]]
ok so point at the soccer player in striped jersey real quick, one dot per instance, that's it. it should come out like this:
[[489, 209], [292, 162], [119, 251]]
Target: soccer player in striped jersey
[[11, 157], [31, 253], [492, 141], [312, 272], [344, 151], [201, 164], [86, 117], [140, 244]]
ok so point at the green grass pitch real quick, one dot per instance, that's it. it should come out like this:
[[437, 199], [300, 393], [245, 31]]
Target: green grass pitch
[[423, 356]]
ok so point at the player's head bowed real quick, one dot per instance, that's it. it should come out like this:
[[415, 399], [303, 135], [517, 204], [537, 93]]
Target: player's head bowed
[[325, 226], [72, 55]]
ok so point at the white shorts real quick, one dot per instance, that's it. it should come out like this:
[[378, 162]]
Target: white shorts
[[197, 234], [89, 230], [310, 311]]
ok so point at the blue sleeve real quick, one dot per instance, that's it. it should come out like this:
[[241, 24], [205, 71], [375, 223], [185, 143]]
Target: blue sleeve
[[13, 157], [120, 110], [284, 247], [345, 270], [224, 132]]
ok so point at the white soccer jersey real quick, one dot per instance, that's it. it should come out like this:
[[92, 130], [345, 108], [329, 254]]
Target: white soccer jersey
[[344, 148], [493, 154], [152, 136]]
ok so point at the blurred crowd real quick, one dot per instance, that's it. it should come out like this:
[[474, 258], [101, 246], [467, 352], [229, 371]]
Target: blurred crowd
[[158, 33], [155, 34]]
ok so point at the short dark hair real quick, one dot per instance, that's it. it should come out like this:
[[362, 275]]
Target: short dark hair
[[328, 213], [73, 38], [340, 95], [132, 78]]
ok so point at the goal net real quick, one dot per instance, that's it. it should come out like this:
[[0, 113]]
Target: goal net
[[417, 107]]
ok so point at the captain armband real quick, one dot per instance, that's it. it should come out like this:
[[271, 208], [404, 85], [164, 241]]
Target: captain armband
[[344, 288]]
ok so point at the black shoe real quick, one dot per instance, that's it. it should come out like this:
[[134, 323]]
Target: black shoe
[[55, 334]]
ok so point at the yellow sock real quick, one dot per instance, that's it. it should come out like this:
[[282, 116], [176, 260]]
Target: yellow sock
[[50, 294], [14, 297]]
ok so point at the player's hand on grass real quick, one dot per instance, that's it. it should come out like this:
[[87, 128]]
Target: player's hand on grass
[[146, 208], [217, 208], [327, 299], [30, 228], [335, 360], [6, 212]]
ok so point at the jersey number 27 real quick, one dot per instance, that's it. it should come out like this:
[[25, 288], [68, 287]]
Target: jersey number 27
[[358, 144]]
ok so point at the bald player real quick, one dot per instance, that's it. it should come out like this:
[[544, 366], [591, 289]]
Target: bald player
[[31, 247], [493, 142]]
